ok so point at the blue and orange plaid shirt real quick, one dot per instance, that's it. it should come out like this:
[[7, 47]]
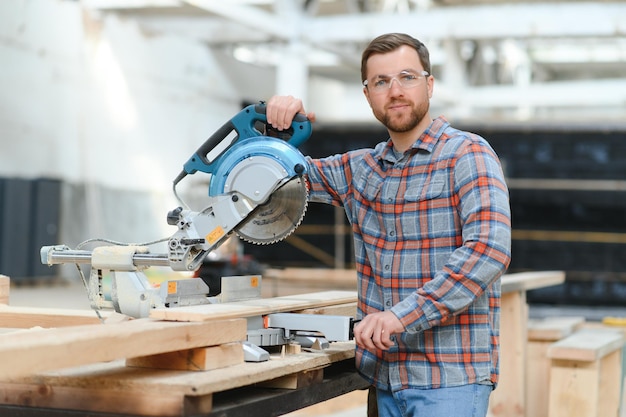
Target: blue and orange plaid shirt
[[432, 235]]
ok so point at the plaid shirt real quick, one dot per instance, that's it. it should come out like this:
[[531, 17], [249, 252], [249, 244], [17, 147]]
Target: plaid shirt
[[432, 236]]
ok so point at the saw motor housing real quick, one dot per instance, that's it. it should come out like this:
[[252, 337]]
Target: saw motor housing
[[256, 188]]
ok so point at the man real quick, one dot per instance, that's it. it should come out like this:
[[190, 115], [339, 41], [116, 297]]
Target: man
[[430, 217]]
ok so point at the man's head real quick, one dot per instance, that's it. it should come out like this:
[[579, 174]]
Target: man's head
[[389, 42], [398, 85]]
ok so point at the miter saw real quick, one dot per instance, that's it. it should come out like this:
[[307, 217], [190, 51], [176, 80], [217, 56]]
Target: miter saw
[[256, 190]]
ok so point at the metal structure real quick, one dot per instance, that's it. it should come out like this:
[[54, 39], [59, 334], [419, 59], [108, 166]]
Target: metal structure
[[503, 60]]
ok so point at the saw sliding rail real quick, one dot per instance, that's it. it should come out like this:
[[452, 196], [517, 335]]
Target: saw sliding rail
[[56, 255]]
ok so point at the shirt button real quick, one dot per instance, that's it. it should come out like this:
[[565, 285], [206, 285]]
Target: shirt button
[[388, 303], [392, 233], [387, 267]]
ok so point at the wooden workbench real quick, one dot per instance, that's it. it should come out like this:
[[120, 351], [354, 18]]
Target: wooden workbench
[[509, 399], [82, 369], [94, 390]]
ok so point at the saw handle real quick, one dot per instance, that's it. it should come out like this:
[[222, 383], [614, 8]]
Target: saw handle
[[296, 135], [243, 124]]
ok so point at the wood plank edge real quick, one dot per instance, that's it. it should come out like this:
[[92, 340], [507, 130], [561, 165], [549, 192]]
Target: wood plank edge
[[123, 401], [197, 359]]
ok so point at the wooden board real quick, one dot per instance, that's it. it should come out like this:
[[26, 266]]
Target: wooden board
[[585, 388], [98, 399], [324, 276], [508, 399], [288, 281], [27, 317], [198, 359], [5, 288], [587, 345], [254, 307], [348, 309], [537, 378], [523, 281], [553, 328], [295, 380], [542, 333], [28, 352]]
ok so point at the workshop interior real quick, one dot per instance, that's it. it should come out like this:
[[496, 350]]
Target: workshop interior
[[138, 172]]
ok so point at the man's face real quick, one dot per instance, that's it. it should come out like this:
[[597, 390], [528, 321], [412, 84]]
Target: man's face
[[399, 108]]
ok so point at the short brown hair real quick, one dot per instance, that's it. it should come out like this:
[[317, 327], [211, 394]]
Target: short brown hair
[[390, 42]]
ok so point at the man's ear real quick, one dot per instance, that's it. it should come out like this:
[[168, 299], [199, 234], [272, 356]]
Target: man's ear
[[367, 95], [431, 86]]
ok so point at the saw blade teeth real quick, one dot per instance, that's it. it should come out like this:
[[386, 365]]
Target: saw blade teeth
[[278, 239], [279, 217]]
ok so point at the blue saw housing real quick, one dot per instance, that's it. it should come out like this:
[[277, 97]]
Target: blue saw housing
[[249, 142], [283, 152]]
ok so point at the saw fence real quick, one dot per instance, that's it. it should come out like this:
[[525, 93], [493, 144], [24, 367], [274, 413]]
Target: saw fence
[[67, 363]]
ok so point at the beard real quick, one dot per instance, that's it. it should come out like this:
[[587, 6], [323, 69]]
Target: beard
[[401, 123]]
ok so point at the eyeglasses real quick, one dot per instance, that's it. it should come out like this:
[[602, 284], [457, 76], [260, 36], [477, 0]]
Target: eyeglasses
[[406, 79]]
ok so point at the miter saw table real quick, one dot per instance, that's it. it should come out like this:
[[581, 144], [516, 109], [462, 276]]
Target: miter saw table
[[257, 190]]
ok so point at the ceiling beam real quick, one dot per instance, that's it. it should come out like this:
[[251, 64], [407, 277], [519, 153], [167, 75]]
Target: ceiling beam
[[211, 30], [478, 22], [128, 4], [255, 19], [565, 94], [482, 22]]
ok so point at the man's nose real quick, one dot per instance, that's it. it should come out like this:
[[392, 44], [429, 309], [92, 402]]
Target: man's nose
[[398, 86]]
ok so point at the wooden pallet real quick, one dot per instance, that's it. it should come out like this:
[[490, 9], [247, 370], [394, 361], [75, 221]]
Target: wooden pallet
[[115, 388], [169, 365]]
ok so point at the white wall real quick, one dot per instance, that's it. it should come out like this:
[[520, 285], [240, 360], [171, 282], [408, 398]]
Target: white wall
[[114, 112], [111, 111]]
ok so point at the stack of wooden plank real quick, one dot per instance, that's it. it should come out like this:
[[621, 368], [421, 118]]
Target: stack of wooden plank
[[171, 364]]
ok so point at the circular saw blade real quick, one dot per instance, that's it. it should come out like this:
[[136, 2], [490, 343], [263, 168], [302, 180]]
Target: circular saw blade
[[279, 217]]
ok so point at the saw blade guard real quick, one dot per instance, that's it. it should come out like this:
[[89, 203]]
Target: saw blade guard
[[268, 173], [256, 167]]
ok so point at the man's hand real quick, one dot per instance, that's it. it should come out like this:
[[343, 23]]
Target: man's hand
[[375, 330], [280, 111]]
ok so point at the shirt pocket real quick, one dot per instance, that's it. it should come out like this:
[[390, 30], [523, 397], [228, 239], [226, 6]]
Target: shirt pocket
[[428, 190], [372, 187]]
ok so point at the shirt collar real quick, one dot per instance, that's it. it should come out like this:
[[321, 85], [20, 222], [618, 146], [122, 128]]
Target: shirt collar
[[426, 141]]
